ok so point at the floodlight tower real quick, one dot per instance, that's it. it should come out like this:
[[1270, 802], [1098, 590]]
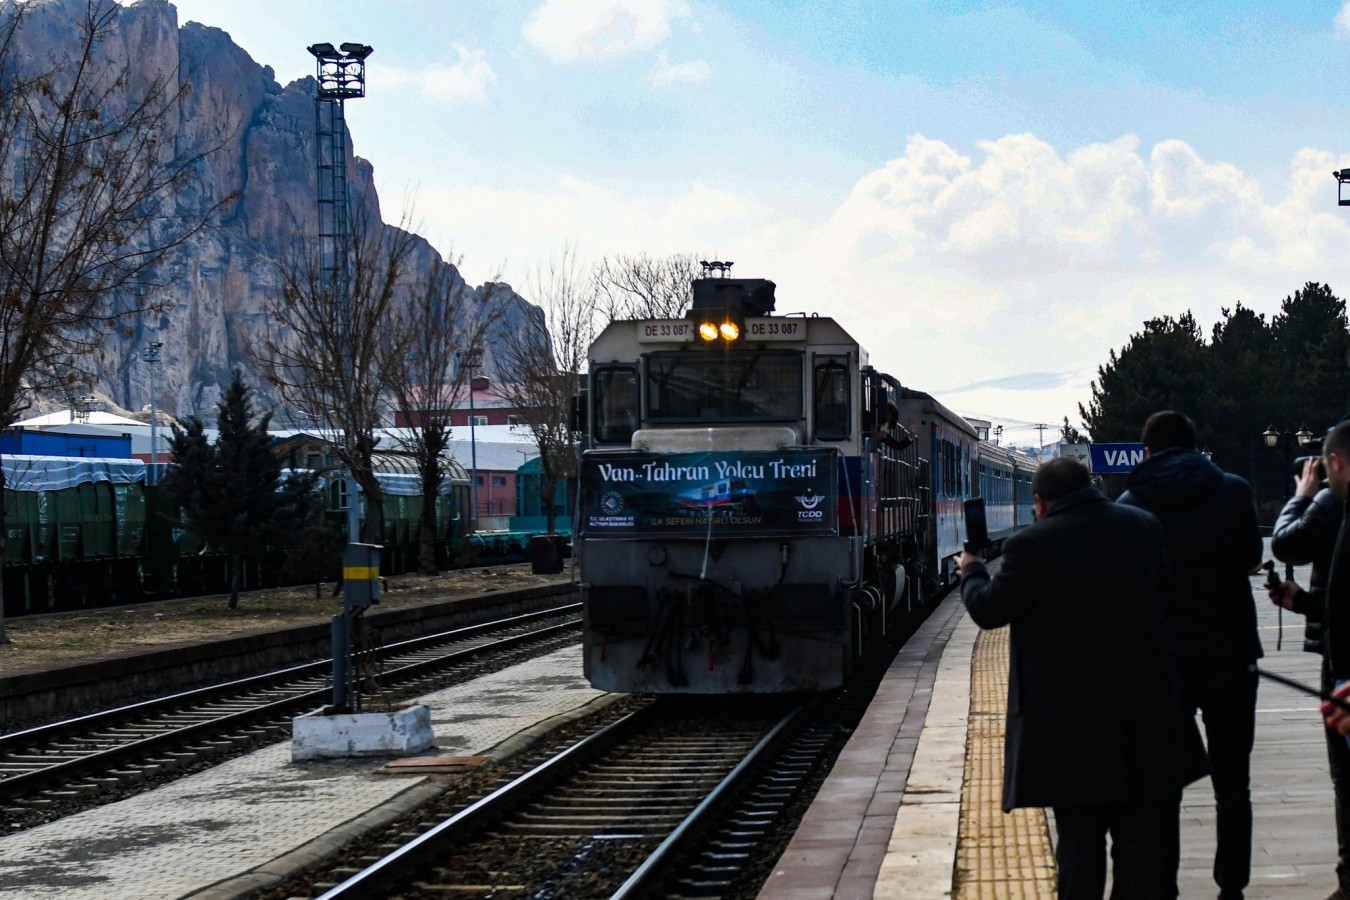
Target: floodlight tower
[[341, 75]]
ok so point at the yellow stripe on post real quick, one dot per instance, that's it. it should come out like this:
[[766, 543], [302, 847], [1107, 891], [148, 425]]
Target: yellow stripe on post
[[360, 573]]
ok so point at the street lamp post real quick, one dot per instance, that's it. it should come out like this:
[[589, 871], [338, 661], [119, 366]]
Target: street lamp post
[[1286, 440], [151, 357]]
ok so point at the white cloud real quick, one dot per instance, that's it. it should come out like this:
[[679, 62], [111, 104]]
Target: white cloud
[[572, 30], [466, 81], [664, 75], [1341, 23], [1185, 186], [1024, 207]]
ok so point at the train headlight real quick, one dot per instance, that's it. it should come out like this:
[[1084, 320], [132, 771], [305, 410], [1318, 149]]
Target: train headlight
[[707, 331], [729, 330]]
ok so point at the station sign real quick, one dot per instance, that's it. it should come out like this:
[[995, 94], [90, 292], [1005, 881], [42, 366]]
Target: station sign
[[1116, 457]]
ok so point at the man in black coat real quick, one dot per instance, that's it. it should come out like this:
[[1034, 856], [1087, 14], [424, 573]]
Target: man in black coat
[[1305, 533], [1209, 521], [1081, 590], [1334, 598]]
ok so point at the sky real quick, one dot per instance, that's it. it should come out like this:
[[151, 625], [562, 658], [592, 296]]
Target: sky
[[990, 196]]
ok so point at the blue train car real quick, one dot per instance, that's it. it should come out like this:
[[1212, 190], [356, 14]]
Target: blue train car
[[1005, 485], [953, 446]]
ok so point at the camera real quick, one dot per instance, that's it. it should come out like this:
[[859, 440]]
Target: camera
[[1297, 468]]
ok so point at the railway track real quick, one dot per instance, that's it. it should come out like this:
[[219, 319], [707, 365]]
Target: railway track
[[65, 766], [602, 817], [619, 814]]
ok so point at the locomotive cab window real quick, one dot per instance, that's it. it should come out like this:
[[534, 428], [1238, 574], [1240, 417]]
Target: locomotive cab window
[[829, 398], [614, 399], [724, 386]]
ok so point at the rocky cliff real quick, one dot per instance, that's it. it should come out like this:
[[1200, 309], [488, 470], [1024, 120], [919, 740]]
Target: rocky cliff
[[220, 281]]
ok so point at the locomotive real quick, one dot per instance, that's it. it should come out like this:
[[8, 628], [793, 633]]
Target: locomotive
[[757, 506]]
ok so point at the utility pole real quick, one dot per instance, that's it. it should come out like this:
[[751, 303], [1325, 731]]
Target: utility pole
[[1040, 439]]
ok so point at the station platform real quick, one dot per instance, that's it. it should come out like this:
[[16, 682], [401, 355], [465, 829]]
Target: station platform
[[912, 808]]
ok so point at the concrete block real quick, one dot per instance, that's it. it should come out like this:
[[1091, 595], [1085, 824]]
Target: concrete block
[[399, 732]]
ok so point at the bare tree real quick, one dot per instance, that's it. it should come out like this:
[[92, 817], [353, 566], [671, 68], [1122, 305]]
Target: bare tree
[[328, 356], [541, 363], [90, 173], [643, 287], [424, 337]]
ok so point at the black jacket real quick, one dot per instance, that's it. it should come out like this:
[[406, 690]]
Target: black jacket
[[1305, 533], [1209, 521], [1093, 710]]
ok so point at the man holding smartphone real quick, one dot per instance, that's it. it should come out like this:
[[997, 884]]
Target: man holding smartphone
[[1209, 522], [1334, 598], [1081, 589]]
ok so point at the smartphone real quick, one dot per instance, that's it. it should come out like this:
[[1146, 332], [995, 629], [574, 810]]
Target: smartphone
[[977, 529], [1300, 686]]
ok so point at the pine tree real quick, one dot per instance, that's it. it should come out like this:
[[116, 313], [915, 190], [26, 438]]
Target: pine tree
[[231, 493], [1165, 366]]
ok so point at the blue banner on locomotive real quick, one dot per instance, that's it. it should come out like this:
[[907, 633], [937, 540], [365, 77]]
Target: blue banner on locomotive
[[752, 515]]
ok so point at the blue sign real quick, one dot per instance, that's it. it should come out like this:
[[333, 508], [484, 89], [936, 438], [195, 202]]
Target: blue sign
[[1116, 457]]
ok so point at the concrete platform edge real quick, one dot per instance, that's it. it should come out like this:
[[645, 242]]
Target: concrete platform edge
[[921, 857]]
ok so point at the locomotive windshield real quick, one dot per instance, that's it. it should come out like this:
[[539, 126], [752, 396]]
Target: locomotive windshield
[[764, 386]]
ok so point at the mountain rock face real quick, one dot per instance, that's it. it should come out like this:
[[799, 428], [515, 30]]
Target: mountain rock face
[[219, 283]]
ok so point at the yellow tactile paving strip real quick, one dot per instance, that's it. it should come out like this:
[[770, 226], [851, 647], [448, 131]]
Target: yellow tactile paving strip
[[998, 855]]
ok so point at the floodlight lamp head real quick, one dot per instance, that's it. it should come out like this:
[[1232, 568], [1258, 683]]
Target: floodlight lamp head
[[357, 51], [323, 51]]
